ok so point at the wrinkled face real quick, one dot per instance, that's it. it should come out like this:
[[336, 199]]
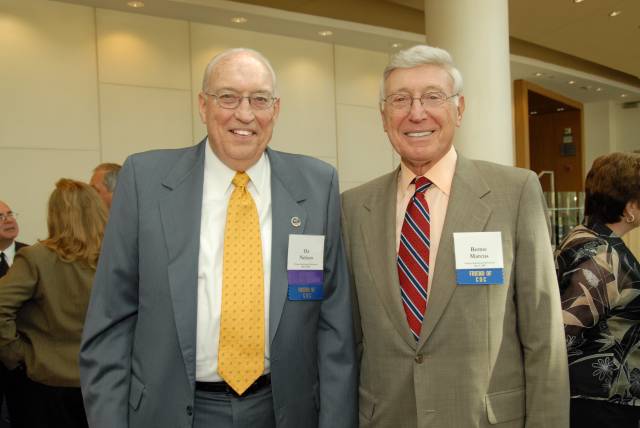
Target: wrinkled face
[[97, 182], [9, 227], [239, 136], [421, 135]]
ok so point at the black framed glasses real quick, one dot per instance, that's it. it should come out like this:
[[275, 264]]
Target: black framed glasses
[[230, 100], [402, 101]]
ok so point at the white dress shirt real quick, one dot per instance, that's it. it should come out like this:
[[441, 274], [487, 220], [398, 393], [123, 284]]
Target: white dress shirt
[[216, 192], [10, 253]]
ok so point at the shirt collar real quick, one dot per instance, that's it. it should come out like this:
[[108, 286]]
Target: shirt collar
[[221, 175], [440, 174]]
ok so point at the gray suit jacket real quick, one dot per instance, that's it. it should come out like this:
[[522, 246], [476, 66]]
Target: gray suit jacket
[[137, 360], [487, 355]]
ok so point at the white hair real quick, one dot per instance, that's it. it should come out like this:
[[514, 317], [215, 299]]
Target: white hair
[[423, 55], [236, 51]]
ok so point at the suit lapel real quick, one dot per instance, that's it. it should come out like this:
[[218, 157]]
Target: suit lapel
[[286, 203], [466, 212], [180, 213], [379, 234]]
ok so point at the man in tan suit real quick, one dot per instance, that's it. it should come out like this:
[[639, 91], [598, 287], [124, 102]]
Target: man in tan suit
[[454, 330]]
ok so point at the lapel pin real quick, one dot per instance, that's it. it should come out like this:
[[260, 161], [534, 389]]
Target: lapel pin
[[295, 221]]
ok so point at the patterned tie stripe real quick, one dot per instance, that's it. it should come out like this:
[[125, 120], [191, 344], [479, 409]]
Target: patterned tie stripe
[[241, 345], [413, 257]]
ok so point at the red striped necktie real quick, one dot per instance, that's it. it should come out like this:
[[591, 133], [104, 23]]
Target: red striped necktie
[[413, 257]]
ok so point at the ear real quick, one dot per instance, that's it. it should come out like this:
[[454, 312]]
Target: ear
[[383, 117], [202, 106], [460, 110], [276, 109]]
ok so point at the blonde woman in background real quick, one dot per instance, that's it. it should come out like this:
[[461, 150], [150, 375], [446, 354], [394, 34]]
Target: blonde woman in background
[[43, 300]]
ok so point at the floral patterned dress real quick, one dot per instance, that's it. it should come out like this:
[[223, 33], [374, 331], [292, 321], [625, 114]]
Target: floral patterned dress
[[600, 289]]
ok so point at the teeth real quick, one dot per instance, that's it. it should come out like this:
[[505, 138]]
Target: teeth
[[242, 132], [419, 134]]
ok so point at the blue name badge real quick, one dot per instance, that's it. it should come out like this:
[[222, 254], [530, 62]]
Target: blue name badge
[[305, 285], [479, 276]]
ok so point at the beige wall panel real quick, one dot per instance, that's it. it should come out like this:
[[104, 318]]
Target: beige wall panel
[[48, 75], [626, 123], [38, 170], [305, 82], [137, 119], [143, 50], [596, 132], [364, 150], [358, 75]]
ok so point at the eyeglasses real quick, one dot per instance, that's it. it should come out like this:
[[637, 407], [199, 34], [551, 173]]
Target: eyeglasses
[[428, 99], [8, 216], [229, 100]]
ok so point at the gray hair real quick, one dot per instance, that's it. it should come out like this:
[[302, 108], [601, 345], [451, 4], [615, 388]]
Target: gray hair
[[110, 178], [235, 51], [423, 55]]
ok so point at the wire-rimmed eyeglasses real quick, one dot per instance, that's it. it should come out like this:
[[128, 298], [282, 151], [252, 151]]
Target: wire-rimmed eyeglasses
[[229, 100], [8, 216], [403, 101]]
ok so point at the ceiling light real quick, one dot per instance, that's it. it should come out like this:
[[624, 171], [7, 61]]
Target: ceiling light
[[598, 89], [533, 113], [325, 33], [578, 1], [396, 45], [135, 3], [571, 82], [538, 74], [623, 95], [560, 109], [615, 13], [239, 20]]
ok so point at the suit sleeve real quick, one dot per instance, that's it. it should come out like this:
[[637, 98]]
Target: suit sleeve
[[105, 353], [540, 315], [336, 354], [16, 287]]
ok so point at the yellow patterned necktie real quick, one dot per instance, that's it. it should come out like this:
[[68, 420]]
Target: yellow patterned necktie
[[241, 346]]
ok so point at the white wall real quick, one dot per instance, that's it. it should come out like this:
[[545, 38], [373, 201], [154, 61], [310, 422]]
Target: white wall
[[625, 126], [89, 85], [597, 132]]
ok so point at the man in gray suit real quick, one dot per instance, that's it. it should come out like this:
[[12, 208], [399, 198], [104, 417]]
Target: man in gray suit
[[152, 353], [458, 310]]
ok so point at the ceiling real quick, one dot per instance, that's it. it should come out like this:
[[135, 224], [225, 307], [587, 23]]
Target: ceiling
[[582, 32]]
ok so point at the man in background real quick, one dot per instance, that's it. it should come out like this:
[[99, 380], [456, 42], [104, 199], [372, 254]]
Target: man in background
[[459, 319], [9, 381], [104, 179]]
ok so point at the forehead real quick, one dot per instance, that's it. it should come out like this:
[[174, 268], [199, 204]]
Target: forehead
[[426, 77], [4, 208], [241, 72]]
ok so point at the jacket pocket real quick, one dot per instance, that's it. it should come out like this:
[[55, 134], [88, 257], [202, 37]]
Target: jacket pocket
[[505, 405], [367, 405], [136, 392]]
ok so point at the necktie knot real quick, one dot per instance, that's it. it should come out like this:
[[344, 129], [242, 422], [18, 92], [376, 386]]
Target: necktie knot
[[240, 179], [422, 184]]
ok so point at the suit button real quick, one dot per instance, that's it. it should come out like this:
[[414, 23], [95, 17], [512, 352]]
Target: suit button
[[189, 410], [418, 359]]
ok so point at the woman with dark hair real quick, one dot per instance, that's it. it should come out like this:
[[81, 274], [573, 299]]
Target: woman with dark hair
[[600, 289], [43, 300]]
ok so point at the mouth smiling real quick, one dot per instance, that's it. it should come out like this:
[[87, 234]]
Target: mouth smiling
[[242, 132], [418, 134]]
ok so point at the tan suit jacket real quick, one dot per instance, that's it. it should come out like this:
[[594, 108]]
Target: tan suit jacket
[[491, 355]]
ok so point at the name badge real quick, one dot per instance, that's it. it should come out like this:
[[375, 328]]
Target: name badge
[[478, 258], [305, 267]]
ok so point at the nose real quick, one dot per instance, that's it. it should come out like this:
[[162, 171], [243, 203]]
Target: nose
[[417, 112], [244, 112]]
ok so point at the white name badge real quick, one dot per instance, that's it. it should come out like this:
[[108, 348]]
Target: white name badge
[[306, 252], [478, 258]]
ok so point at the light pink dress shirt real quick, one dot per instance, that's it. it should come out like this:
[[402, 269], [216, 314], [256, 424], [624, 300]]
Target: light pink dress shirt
[[441, 175]]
